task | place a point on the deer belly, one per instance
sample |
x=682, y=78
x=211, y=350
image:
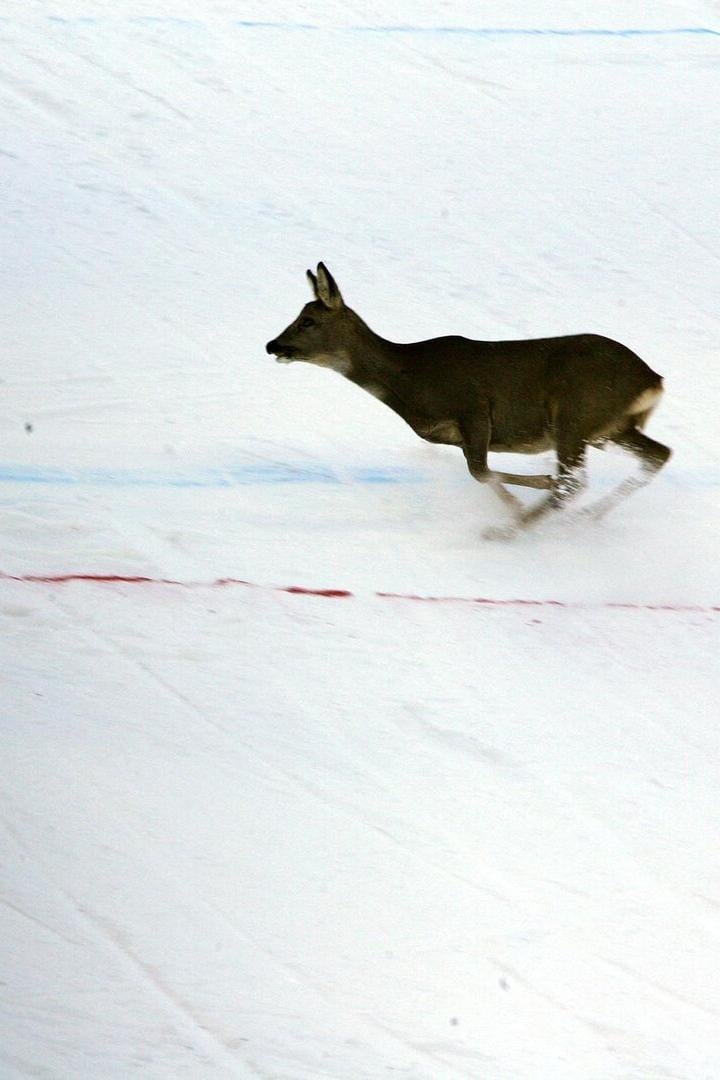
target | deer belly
x=440, y=431
x=523, y=444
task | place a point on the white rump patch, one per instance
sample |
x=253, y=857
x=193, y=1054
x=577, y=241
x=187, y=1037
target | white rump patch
x=646, y=401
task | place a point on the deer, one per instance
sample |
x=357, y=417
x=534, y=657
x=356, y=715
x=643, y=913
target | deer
x=520, y=396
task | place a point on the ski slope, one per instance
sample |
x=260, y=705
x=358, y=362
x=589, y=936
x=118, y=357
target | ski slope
x=302, y=777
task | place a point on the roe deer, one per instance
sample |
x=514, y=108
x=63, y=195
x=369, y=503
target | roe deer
x=564, y=393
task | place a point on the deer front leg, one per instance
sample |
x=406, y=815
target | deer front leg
x=563, y=486
x=476, y=440
x=567, y=484
x=534, y=480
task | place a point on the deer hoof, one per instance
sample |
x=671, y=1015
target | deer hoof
x=500, y=532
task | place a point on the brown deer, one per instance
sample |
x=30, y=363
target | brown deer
x=561, y=393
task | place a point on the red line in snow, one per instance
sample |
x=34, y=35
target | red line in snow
x=486, y=600
x=335, y=594
x=301, y=591
x=63, y=579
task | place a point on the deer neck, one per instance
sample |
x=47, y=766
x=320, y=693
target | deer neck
x=372, y=359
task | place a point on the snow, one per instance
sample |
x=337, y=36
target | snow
x=258, y=833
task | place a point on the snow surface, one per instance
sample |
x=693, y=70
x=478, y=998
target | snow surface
x=252, y=833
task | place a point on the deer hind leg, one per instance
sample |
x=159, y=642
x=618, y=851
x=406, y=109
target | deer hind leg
x=567, y=483
x=652, y=456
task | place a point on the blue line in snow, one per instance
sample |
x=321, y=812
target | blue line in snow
x=408, y=28
x=493, y=31
x=513, y=31
x=249, y=24
x=226, y=477
x=270, y=473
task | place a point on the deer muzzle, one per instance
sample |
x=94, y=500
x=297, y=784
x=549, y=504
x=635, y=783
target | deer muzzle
x=283, y=353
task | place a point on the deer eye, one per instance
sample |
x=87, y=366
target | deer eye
x=307, y=323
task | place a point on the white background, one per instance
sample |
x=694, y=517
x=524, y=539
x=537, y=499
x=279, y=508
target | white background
x=257, y=834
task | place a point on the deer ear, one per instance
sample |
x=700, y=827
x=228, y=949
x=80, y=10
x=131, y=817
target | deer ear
x=326, y=288
x=313, y=283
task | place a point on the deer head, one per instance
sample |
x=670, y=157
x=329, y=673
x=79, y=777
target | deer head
x=323, y=332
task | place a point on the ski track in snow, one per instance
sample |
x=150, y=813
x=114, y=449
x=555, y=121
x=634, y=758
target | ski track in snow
x=302, y=779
